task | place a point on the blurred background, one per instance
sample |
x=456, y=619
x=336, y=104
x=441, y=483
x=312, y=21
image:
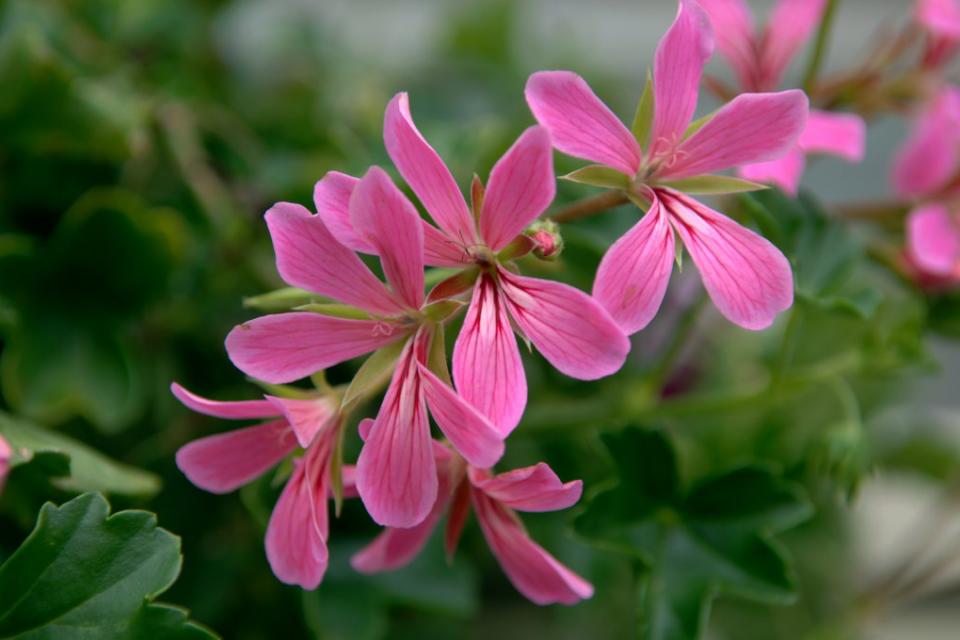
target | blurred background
x=140, y=143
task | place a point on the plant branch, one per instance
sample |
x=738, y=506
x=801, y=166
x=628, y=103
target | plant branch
x=589, y=206
x=819, y=50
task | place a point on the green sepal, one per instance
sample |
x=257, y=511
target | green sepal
x=643, y=118
x=476, y=196
x=336, y=311
x=373, y=373
x=454, y=285
x=597, y=175
x=336, y=471
x=441, y=310
x=284, y=390
x=281, y=300
x=519, y=247
x=713, y=185
x=437, y=357
x=697, y=124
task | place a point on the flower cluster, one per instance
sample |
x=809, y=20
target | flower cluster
x=407, y=476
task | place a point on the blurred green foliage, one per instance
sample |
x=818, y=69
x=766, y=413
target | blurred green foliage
x=140, y=143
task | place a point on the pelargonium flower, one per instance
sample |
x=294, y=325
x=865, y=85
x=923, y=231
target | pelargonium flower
x=759, y=58
x=748, y=279
x=940, y=19
x=6, y=454
x=927, y=169
x=396, y=477
x=495, y=500
x=296, y=540
x=574, y=333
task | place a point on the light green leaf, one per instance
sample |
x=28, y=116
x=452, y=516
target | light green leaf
x=643, y=118
x=89, y=470
x=373, y=374
x=83, y=575
x=598, y=176
x=713, y=185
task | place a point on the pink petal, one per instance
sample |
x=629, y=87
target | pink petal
x=933, y=239
x=425, y=172
x=308, y=256
x=469, y=432
x=289, y=346
x=535, y=488
x=297, y=534
x=572, y=331
x=837, y=134
x=534, y=572
x=348, y=474
x=440, y=250
x=331, y=197
x=226, y=461
x=736, y=37
x=391, y=224
x=238, y=410
x=6, y=454
x=931, y=154
x=681, y=55
x=791, y=25
x=521, y=187
x=396, y=474
x=785, y=172
x=633, y=275
x=940, y=17
x=753, y=127
x=486, y=360
x=748, y=279
x=579, y=123
x=307, y=417
x=395, y=548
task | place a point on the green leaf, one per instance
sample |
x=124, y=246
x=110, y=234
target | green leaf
x=713, y=185
x=713, y=538
x=643, y=117
x=82, y=469
x=598, y=176
x=82, y=574
x=374, y=373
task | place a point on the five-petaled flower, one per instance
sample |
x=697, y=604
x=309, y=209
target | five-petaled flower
x=759, y=59
x=296, y=540
x=495, y=500
x=574, y=333
x=396, y=477
x=940, y=19
x=749, y=279
x=927, y=169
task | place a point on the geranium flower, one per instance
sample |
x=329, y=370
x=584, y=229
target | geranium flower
x=296, y=540
x=940, y=19
x=748, y=279
x=759, y=58
x=574, y=333
x=395, y=475
x=495, y=500
x=927, y=169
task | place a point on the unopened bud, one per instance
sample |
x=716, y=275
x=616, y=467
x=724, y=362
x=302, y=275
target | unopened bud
x=547, y=241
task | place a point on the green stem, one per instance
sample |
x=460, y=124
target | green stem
x=819, y=50
x=681, y=335
x=589, y=206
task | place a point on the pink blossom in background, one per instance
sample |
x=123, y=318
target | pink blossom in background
x=296, y=540
x=495, y=499
x=940, y=19
x=574, y=333
x=927, y=169
x=760, y=58
x=396, y=477
x=748, y=279
x=6, y=454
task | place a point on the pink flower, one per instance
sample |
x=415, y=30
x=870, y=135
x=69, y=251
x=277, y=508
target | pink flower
x=6, y=454
x=940, y=19
x=760, y=58
x=296, y=540
x=572, y=331
x=749, y=280
x=495, y=499
x=926, y=169
x=396, y=477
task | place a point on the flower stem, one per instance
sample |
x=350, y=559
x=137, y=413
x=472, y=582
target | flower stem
x=820, y=48
x=589, y=206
